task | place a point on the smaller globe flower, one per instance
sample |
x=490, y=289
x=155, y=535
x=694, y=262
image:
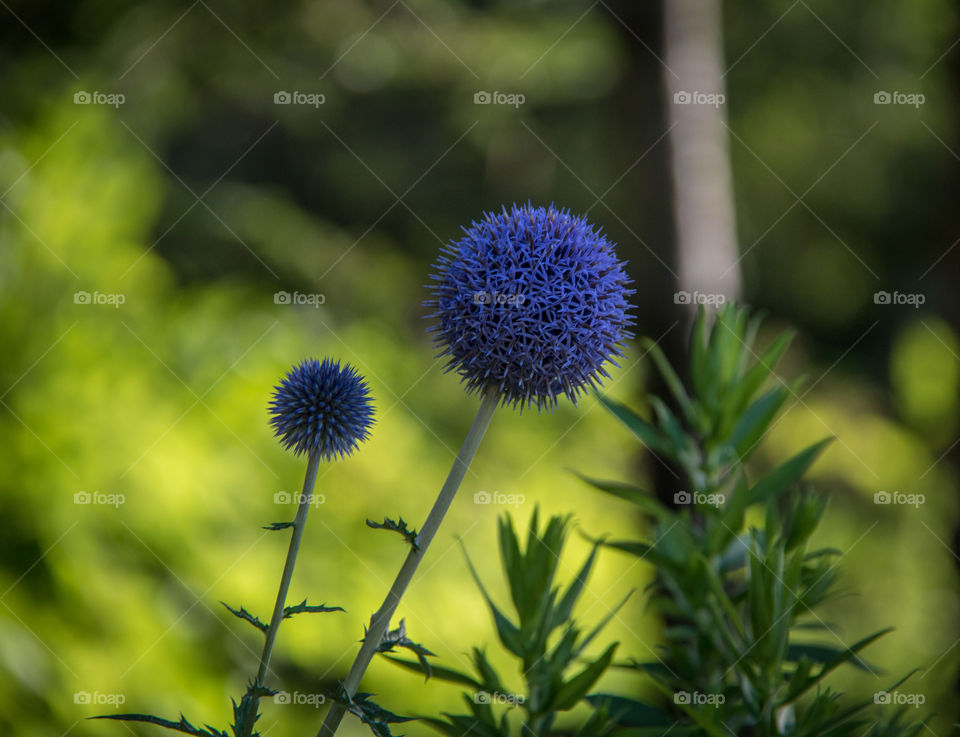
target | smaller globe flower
x=322, y=408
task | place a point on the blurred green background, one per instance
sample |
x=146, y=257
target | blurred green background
x=198, y=199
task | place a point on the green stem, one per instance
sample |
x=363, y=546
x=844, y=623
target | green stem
x=271, y=634
x=381, y=618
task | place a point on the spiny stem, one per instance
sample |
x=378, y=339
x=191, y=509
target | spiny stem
x=381, y=618
x=299, y=522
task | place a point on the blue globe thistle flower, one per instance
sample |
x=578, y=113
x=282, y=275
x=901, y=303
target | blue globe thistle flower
x=532, y=300
x=322, y=408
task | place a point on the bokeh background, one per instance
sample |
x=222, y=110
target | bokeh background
x=198, y=199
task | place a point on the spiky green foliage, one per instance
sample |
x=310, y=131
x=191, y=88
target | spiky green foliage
x=400, y=527
x=548, y=644
x=739, y=602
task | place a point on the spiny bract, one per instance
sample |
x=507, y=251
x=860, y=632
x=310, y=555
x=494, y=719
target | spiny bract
x=322, y=408
x=533, y=301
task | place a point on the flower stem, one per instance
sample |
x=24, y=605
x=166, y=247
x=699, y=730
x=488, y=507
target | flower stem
x=380, y=621
x=299, y=522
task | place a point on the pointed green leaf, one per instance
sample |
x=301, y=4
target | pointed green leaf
x=408, y=534
x=247, y=617
x=571, y=692
x=509, y=632
x=824, y=654
x=781, y=477
x=303, y=608
x=278, y=525
x=646, y=433
x=671, y=379
x=755, y=421
x=435, y=671
x=564, y=609
x=627, y=712
x=182, y=726
x=699, y=369
x=758, y=373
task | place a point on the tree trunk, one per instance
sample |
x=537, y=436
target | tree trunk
x=705, y=224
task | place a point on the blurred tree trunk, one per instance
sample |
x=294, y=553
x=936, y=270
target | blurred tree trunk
x=704, y=220
x=704, y=224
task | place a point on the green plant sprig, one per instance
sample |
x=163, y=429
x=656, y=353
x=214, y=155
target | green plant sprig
x=738, y=602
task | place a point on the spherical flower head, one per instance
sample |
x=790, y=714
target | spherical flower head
x=322, y=408
x=533, y=301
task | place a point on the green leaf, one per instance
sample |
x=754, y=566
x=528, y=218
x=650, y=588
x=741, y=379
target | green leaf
x=564, y=609
x=646, y=433
x=601, y=624
x=182, y=726
x=304, y=608
x=512, y=560
x=671, y=379
x=448, y=728
x=463, y=725
x=823, y=654
x=571, y=692
x=398, y=638
x=749, y=338
x=842, y=657
x=647, y=503
x=701, y=716
x=781, y=477
x=400, y=527
x=805, y=515
x=541, y=559
x=723, y=353
x=373, y=715
x=278, y=525
x=247, y=617
x=435, y=671
x=698, y=354
x=627, y=712
x=639, y=549
x=760, y=371
x=509, y=632
x=489, y=677
x=754, y=422
x=671, y=427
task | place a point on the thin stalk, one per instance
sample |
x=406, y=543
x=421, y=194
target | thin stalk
x=381, y=618
x=299, y=522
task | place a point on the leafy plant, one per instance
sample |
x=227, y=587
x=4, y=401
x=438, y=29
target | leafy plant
x=548, y=645
x=324, y=410
x=739, y=602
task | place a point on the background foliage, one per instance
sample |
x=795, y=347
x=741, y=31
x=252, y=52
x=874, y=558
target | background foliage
x=198, y=199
